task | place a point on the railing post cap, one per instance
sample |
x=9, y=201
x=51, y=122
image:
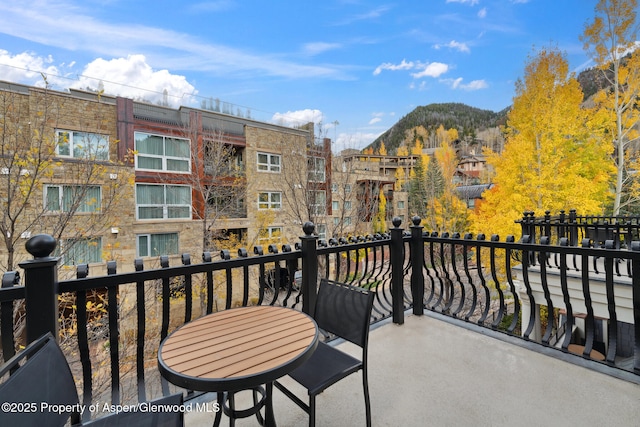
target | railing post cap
x=308, y=228
x=41, y=245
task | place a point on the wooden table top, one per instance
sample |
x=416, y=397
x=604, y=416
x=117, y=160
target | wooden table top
x=237, y=349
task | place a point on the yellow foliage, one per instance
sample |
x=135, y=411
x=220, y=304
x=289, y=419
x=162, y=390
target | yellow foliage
x=555, y=156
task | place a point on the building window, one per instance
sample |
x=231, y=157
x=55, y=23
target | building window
x=162, y=153
x=270, y=234
x=82, y=145
x=80, y=251
x=334, y=187
x=347, y=205
x=270, y=200
x=401, y=204
x=163, y=201
x=68, y=198
x=336, y=221
x=347, y=220
x=157, y=244
x=321, y=229
x=269, y=162
x=335, y=205
x=316, y=169
x=347, y=188
x=318, y=202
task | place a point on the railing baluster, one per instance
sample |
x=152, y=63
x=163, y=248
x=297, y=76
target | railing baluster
x=9, y=280
x=483, y=282
x=589, y=320
x=512, y=287
x=114, y=335
x=533, y=315
x=494, y=276
x=564, y=285
x=82, y=271
x=206, y=258
x=141, y=331
x=188, y=290
x=612, y=346
x=542, y=258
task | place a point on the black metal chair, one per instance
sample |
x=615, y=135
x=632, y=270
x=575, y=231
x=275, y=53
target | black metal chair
x=40, y=375
x=43, y=378
x=345, y=311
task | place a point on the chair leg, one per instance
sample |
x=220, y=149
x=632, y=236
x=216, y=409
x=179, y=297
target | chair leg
x=312, y=411
x=367, y=402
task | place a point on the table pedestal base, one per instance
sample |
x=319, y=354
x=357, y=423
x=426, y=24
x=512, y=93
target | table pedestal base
x=261, y=398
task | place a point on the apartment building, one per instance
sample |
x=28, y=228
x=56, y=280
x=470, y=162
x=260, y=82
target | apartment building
x=165, y=181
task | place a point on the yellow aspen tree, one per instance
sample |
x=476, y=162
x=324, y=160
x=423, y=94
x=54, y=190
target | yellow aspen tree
x=611, y=40
x=380, y=220
x=554, y=157
x=383, y=149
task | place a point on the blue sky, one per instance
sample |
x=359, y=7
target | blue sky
x=355, y=66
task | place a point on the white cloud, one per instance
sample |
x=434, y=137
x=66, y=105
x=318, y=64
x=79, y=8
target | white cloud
x=26, y=68
x=298, y=118
x=319, y=47
x=471, y=86
x=462, y=47
x=470, y=2
x=375, y=120
x=482, y=13
x=434, y=69
x=404, y=65
x=132, y=77
x=168, y=48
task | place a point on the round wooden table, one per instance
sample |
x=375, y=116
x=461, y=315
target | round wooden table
x=238, y=349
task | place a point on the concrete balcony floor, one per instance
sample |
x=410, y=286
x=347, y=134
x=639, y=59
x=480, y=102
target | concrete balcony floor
x=430, y=372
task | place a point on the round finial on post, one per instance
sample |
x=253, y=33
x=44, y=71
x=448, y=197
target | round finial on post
x=41, y=245
x=416, y=220
x=396, y=221
x=308, y=228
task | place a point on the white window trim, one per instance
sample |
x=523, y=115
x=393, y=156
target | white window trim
x=269, y=203
x=61, y=188
x=148, y=235
x=270, y=232
x=316, y=172
x=163, y=157
x=268, y=167
x=72, y=144
x=165, y=206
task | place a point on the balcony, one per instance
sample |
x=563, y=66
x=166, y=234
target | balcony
x=430, y=371
x=458, y=330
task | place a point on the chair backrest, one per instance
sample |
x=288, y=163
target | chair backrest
x=43, y=379
x=344, y=310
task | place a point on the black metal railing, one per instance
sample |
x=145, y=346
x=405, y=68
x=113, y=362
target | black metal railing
x=113, y=324
x=621, y=229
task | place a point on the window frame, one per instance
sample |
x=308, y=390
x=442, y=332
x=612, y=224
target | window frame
x=268, y=166
x=97, y=151
x=165, y=206
x=65, y=249
x=270, y=230
x=317, y=174
x=149, y=245
x=270, y=204
x=318, y=208
x=164, y=158
x=61, y=199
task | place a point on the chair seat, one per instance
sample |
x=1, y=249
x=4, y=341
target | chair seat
x=326, y=366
